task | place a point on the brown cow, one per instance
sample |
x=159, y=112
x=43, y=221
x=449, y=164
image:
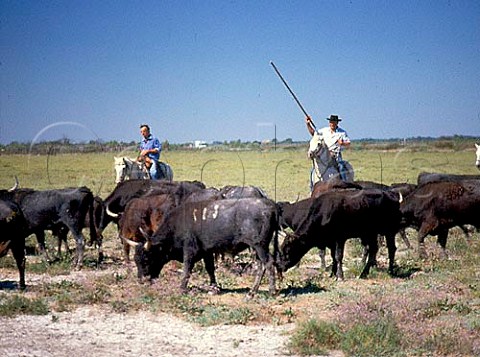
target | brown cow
x=435, y=207
x=148, y=212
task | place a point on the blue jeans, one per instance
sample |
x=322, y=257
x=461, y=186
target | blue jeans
x=155, y=173
x=343, y=170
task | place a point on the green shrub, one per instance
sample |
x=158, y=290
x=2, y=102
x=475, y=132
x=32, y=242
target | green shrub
x=11, y=306
x=315, y=337
x=378, y=338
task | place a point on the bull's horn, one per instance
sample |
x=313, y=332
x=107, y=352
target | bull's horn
x=400, y=200
x=130, y=242
x=148, y=245
x=14, y=186
x=110, y=213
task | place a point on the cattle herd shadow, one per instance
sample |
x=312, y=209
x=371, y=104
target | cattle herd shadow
x=404, y=272
x=309, y=288
x=8, y=285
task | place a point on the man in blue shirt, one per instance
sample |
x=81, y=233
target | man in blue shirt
x=150, y=148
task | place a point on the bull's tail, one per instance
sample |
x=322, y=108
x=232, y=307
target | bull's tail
x=276, y=250
x=93, y=230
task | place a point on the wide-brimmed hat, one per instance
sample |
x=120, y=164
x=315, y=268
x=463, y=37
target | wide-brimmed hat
x=334, y=118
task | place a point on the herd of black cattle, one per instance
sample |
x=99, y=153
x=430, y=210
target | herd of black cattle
x=188, y=222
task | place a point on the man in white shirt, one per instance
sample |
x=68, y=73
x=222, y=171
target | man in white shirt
x=334, y=137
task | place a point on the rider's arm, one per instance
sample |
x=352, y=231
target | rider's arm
x=310, y=128
x=344, y=140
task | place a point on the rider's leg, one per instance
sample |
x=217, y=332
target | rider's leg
x=343, y=170
x=154, y=171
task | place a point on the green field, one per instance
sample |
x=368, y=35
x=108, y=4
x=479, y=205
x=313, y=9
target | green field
x=282, y=174
x=430, y=308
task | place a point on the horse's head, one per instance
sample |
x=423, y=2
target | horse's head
x=477, y=163
x=120, y=169
x=127, y=169
x=316, y=144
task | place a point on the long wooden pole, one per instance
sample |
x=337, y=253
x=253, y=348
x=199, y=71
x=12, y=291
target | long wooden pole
x=293, y=94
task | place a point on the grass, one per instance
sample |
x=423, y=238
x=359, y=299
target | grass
x=17, y=304
x=432, y=306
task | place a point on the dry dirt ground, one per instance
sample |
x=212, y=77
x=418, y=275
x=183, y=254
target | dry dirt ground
x=90, y=331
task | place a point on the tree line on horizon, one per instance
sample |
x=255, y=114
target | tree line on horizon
x=65, y=145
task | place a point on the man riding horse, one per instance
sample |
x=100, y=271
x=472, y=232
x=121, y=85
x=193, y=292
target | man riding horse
x=335, y=139
x=150, y=149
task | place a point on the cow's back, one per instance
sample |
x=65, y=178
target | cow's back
x=217, y=221
x=352, y=211
x=456, y=202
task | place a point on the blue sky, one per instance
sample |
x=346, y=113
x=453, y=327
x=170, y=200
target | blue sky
x=200, y=70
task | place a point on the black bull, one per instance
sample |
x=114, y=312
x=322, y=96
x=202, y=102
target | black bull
x=54, y=209
x=333, y=217
x=195, y=231
x=12, y=235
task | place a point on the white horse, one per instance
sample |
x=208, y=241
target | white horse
x=477, y=163
x=130, y=169
x=325, y=164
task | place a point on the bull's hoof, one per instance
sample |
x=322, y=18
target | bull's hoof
x=214, y=290
x=422, y=252
x=249, y=296
x=274, y=292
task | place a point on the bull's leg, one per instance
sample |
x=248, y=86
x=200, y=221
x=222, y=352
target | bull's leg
x=442, y=240
x=422, y=253
x=18, y=250
x=372, y=249
x=61, y=234
x=391, y=247
x=365, y=253
x=465, y=231
x=339, y=249
x=265, y=263
x=41, y=245
x=272, y=289
x=79, y=251
x=126, y=253
x=100, y=251
x=187, y=271
x=404, y=237
x=209, y=262
x=334, y=261
x=321, y=254
x=258, y=279
x=429, y=225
